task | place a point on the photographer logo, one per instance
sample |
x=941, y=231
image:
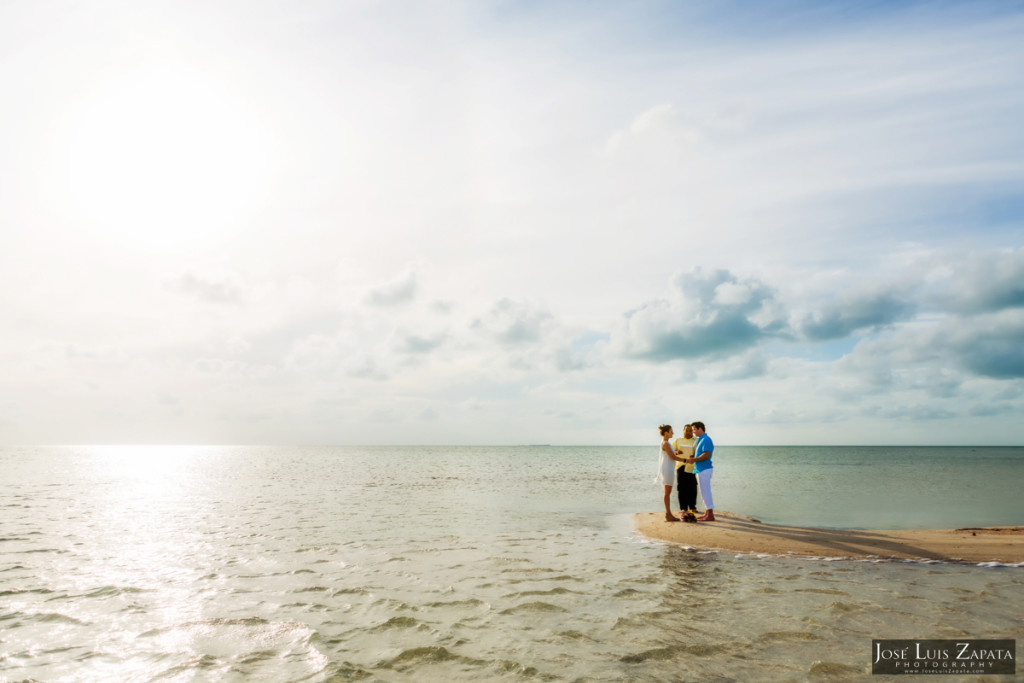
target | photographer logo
x=961, y=656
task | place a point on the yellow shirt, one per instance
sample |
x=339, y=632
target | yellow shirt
x=684, y=449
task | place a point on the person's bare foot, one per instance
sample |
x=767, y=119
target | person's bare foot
x=708, y=516
x=671, y=518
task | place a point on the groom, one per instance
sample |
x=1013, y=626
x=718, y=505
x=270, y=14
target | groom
x=702, y=453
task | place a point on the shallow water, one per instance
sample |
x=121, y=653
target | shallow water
x=323, y=564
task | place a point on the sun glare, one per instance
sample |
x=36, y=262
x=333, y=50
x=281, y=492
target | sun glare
x=149, y=464
x=163, y=156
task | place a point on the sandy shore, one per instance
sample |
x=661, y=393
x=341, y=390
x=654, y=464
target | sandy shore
x=743, y=534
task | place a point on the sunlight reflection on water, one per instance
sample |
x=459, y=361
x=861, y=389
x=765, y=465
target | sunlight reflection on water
x=212, y=563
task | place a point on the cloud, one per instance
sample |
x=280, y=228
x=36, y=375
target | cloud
x=914, y=412
x=980, y=282
x=513, y=323
x=212, y=287
x=394, y=293
x=710, y=314
x=993, y=410
x=569, y=360
x=751, y=365
x=651, y=131
x=992, y=348
x=852, y=313
x=937, y=358
x=366, y=368
x=442, y=307
x=316, y=350
x=416, y=344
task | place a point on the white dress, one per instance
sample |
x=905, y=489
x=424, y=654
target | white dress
x=666, y=468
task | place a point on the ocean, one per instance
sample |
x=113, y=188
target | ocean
x=430, y=563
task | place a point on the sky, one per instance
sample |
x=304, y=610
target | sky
x=511, y=222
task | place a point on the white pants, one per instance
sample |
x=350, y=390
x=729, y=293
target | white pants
x=704, y=482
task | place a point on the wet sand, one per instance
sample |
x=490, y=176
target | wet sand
x=738, y=533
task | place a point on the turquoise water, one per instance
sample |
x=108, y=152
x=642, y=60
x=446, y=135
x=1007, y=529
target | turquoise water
x=487, y=563
x=873, y=487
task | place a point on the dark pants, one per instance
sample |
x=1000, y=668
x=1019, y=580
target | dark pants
x=686, y=482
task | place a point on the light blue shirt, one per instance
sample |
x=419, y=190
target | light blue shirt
x=704, y=444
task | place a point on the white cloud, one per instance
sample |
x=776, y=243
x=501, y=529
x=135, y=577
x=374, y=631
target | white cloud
x=399, y=291
x=414, y=343
x=979, y=282
x=513, y=323
x=213, y=287
x=710, y=314
x=859, y=311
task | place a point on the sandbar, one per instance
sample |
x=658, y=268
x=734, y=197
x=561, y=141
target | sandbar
x=734, y=532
